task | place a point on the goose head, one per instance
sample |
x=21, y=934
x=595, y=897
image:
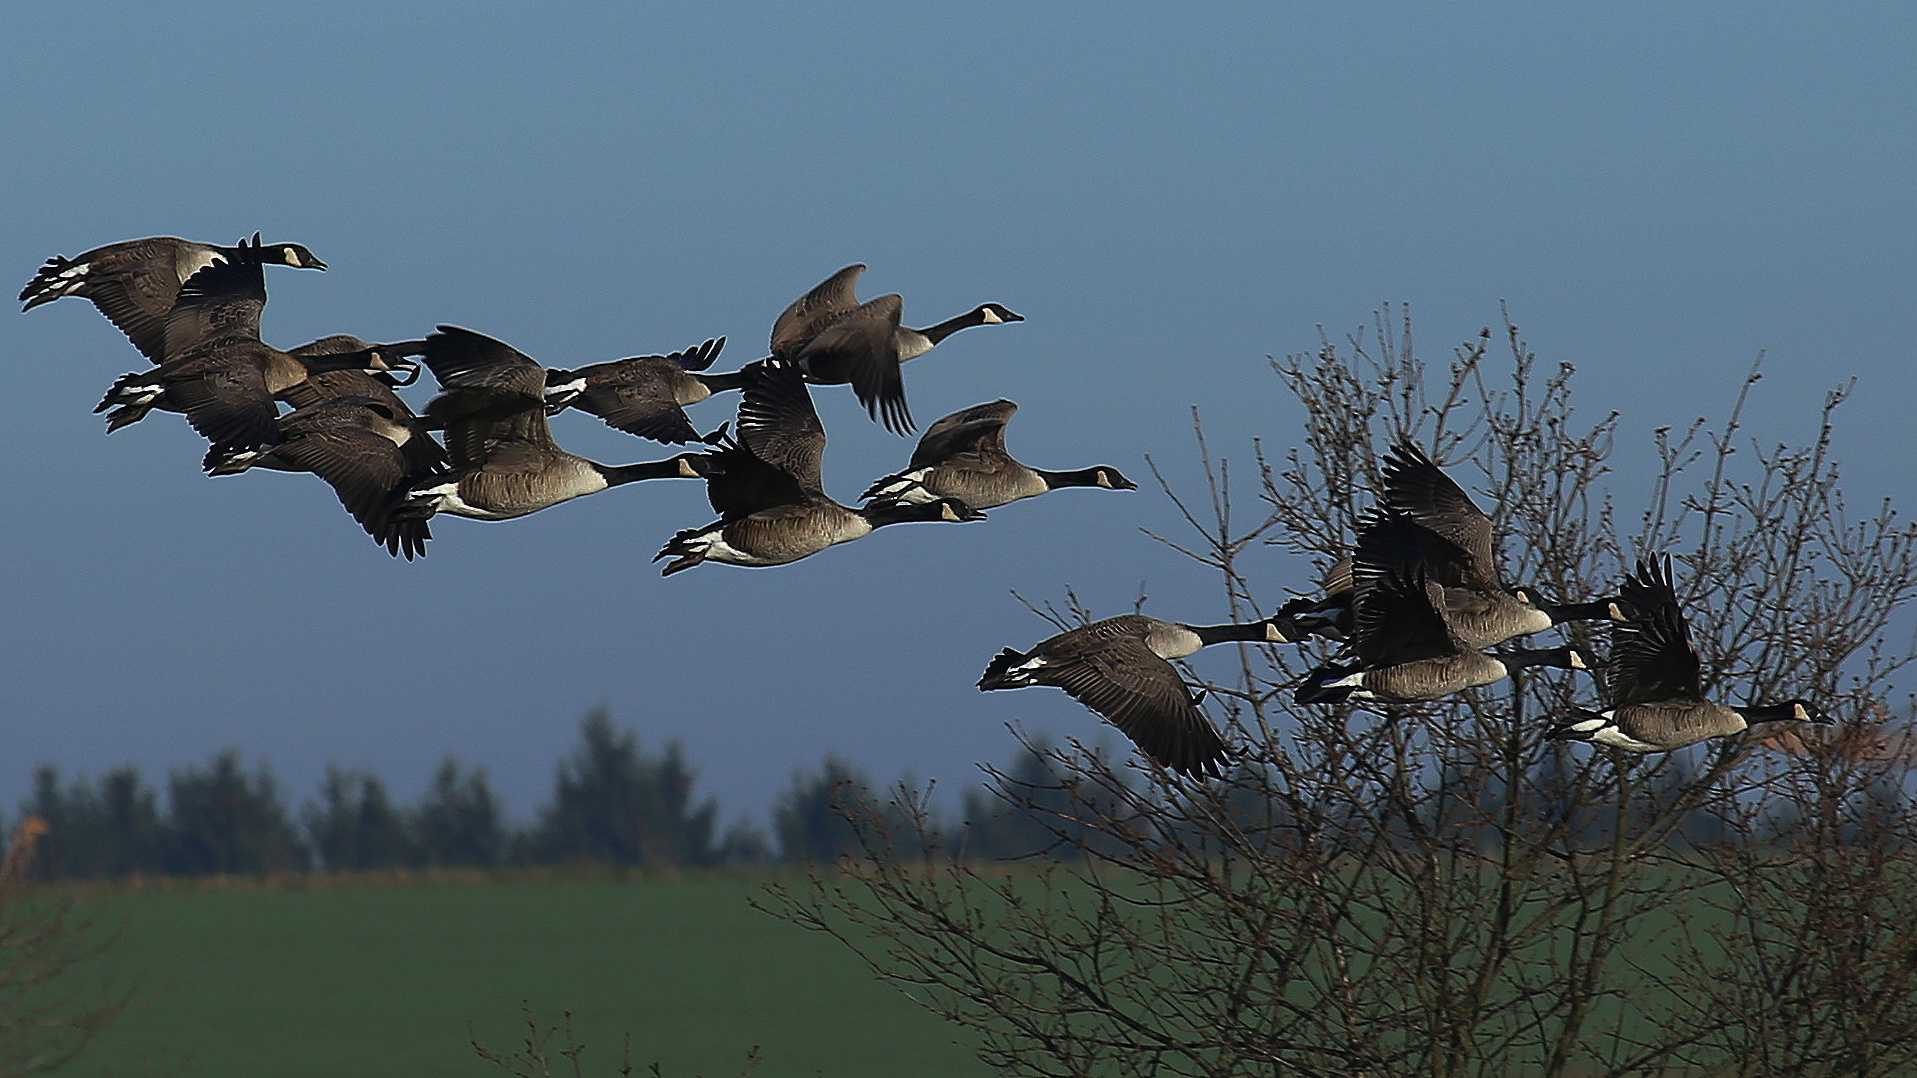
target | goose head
x=995, y=313
x=290, y=254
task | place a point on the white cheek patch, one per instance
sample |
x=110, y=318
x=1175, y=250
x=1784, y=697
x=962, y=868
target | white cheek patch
x=991, y=317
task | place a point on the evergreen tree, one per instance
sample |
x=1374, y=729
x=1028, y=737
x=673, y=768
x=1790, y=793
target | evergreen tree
x=107, y=832
x=810, y=816
x=223, y=820
x=458, y=820
x=615, y=804
x=354, y=826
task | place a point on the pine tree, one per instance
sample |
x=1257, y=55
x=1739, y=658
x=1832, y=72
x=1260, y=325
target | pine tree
x=615, y=804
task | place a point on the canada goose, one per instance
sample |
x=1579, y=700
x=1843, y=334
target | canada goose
x=373, y=373
x=768, y=491
x=1456, y=541
x=218, y=371
x=645, y=395
x=1655, y=686
x=368, y=454
x=963, y=456
x=135, y=282
x=1406, y=646
x=835, y=339
x=504, y=461
x=1118, y=668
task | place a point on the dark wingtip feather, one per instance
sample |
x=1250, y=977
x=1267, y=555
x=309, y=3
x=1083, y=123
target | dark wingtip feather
x=995, y=673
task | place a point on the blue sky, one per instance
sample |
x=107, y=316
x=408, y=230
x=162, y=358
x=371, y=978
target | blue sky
x=1170, y=196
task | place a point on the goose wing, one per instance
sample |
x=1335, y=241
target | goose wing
x=221, y=302
x=862, y=348
x=778, y=423
x=637, y=411
x=226, y=399
x=1398, y=612
x=696, y=358
x=462, y=359
x=133, y=283
x=1651, y=655
x=491, y=392
x=1415, y=487
x=1119, y=678
x=334, y=440
x=741, y=484
x=978, y=431
x=811, y=313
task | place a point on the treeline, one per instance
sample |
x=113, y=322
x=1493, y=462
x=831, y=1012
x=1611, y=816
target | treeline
x=613, y=803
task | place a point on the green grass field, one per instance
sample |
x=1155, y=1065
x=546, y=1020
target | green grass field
x=375, y=981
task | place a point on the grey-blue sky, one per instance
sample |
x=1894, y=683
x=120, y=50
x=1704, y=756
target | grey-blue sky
x=1169, y=195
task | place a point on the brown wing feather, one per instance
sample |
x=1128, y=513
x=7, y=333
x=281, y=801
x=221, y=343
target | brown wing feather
x=976, y=431
x=1144, y=697
x=813, y=312
x=1416, y=487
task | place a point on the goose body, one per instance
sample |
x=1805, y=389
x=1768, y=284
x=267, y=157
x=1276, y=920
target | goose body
x=1120, y=669
x=134, y=283
x=963, y=456
x=1656, y=684
x=768, y=488
x=836, y=340
x=645, y=395
x=1406, y=646
x=504, y=462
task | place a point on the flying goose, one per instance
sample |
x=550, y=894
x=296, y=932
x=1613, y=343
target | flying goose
x=1118, y=668
x=1654, y=684
x=768, y=490
x=218, y=371
x=1456, y=541
x=372, y=372
x=369, y=454
x=135, y=282
x=835, y=340
x=1406, y=646
x=645, y=395
x=963, y=456
x=504, y=461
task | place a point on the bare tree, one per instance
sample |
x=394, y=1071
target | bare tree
x=1437, y=889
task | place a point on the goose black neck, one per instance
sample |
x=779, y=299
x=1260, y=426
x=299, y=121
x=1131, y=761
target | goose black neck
x=719, y=383
x=1218, y=634
x=1565, y=658
x=346, y=361
x=678, y=467
x=1083, y=477
x=1595, y=610
x=1756, y=713
x=880, y=514
x=945, y=329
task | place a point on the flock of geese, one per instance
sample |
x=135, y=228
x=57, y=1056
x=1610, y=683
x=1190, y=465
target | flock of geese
x=1417, y=604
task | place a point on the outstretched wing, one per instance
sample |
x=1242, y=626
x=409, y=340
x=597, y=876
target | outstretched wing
x=1651, y=655
x=978, y=430
x=811, y=313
